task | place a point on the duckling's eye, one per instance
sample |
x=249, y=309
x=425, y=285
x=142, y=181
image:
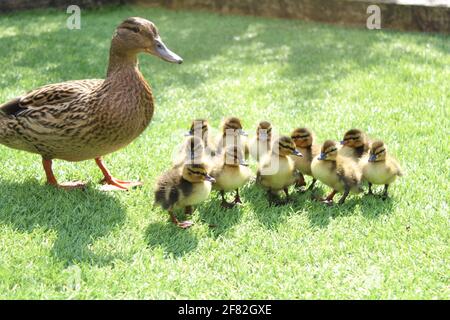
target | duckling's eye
x=159, y=45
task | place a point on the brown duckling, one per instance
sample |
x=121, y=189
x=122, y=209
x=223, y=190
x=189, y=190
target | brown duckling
x=304, y=142
x=87, y=119
x=231, y=172
x=232, y=134
x=336, y=171
x=355, y=144
x=276, y=170
x=262, y=142
x=182, y=189
x=201, y=128
x=380, y=167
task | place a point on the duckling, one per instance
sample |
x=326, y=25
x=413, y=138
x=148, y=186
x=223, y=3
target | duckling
x=201, y=128
x=355, y=144
x=191, y=151
x=304, y=142
x=232, y=134
x=261, y=143
x=380, y=167
x=183, y=189
x=231, y=172
x=336, y=171
x=277, y=169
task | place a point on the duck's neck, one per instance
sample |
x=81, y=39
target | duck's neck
x=119, y=60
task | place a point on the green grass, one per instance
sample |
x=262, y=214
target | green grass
x=90, y=244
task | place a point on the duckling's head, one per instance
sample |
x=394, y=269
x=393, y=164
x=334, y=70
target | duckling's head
x=285, y=146
x=196, y=173
x=329, y=151
x=302, y=137
x=377, y=151
x=233, y=126
x=199, y=126
x=135, y=35
x=234, y=156
x=193, y=148
x=264, y=131
x=354, y=138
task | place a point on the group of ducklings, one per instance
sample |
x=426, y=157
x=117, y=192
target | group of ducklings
x=206, y=164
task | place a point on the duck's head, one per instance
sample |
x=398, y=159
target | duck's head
x=193, y=149
x=264, y=131
x=135, y=35
x=303, y=137
x=232, y=126
x=285, y=146
x=199, y=127
x=234, y=157
x=377, y=151
x=196, y=173
x=329, y=151
x=354, y=138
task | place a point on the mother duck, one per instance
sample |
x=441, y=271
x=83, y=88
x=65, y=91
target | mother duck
x=87, y=119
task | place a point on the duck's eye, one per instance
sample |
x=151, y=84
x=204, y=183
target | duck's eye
x=159, y=46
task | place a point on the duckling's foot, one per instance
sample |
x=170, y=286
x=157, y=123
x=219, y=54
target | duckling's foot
x=227, y=205
x=237, y=198
x=185, y=224
x=327, y=202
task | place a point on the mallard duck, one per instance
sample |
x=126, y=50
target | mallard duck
x=182, y=189
x=355, y=144
x=201, y=128
x=261, y=143
x=336, y=171
x=276, y=170
x=87, y=119
x=304, y=142
x=231, y=172
x=232, y=134
x=380, y=167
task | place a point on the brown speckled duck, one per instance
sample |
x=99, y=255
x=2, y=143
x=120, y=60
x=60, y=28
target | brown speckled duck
x=87, y=119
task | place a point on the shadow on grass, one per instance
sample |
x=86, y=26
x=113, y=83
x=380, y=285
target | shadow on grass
x=220, y=220
x=78, y=217
x=173, y=240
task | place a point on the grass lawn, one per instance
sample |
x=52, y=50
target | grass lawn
x=91, y=244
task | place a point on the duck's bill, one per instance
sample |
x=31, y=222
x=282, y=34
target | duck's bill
x=372, y=158
x=243, y=163
x=243, y=133
x=297, y=153
x=322, y=156
x=209, y=178
x=164, y=53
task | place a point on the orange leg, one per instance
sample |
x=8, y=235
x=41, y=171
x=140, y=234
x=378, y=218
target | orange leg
x=112, y=183
x=51, y=180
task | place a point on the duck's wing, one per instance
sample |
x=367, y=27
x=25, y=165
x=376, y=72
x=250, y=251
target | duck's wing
x=50, y=95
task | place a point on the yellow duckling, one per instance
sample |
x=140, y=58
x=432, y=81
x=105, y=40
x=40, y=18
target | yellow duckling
x=182, y=189
x=232, y=135
x=304, y=142
x=191, y=151
x=380, y=168
x=231, y=172
x=336, y=171
x=277, y=169
x=201, y=128
x=262, y=142
x=355, y=144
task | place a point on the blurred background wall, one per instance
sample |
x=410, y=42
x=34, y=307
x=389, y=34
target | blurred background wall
x=408, y=15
